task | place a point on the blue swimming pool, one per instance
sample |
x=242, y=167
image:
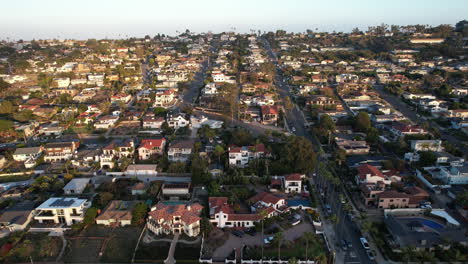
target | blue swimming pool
x=428, y=223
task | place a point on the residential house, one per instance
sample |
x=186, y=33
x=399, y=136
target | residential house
x=223, y=215
x=106, y=122
x=76, y=186
x=23, y=154
x=270, y=114
x=150, y=147
x=17, y=217
x=141, y=170
x=175, y=191
x=175, y=218
x=370, y=174
x=151, y=122
x=139, y=188
x=177, y=120
x=400, y=130
x=180, y=151
x=269, y=203
x=117, y=213
x=60, y=151
x=293, y=183
x=352, y=147
x=241, y=156
x=165, y=98
x=62, y=210
x=426, y=145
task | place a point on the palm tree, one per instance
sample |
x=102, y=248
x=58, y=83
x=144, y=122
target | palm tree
x=321, y=258
x=263, y=215
x=407, y=252
x=308, y=236
x=278, y=238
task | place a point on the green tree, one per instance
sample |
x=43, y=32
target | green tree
x=7, y=107
x=139, y=213
x=299, y=155
x=462, y=199
x=105, y=198
x=24, y=116
x=218, y=151
x=362, y=122
x=4, y=85
x=5, y=125
x=176, y=167
x=90, y=216
x=198, y=167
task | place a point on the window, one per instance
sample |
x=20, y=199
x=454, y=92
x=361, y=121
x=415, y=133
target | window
x=391, y=200
x=225, y=216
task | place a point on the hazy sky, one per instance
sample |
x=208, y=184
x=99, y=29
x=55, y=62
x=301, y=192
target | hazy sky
x=28, y=19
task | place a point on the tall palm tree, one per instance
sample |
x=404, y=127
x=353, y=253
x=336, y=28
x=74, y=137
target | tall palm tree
x=308, y=237
x=278, y=238
x=407, y=252
x=321, y=258
x=263, y=215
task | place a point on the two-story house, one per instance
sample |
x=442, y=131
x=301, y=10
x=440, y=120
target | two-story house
x=60, y=151
x=150, y=147
x=175, y=218
x=241, y=156
x=62, y=210
x=180, y=151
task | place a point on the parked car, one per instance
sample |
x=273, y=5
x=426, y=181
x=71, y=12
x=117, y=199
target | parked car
x=348, y=243
x=425, y=206
x=344, y=246
x=364, y=243
x=370, y=254
x=328, y=208
x=293, y=129
x=267, y=240
x=251, y=231
x=295, y=219
x=237, y=233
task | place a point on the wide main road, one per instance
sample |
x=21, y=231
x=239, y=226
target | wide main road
x=346, y=228
x=294, y=116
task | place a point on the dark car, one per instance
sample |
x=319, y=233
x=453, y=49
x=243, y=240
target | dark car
x=237, y=233
x=251, y=231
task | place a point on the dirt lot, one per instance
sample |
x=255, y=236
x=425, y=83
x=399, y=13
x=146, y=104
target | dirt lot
x=117, y=244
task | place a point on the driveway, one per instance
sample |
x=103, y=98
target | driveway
x=237, y=242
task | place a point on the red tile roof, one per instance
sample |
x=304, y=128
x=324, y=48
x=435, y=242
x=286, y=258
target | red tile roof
x=152, y=143
x=293, y=177
x=365, y=169
x=269, y=110
x=189, y=214
x=220, y=204
x=265, y=197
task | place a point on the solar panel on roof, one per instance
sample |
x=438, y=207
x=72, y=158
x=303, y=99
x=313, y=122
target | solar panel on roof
x=62, y=203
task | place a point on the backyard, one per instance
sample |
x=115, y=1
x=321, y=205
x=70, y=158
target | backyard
x=116, y=244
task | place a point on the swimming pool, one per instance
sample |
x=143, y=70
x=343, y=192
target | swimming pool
x=428, y=223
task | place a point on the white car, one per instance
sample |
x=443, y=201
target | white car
x=267, y=240
x=293, y=129
x=364, y=243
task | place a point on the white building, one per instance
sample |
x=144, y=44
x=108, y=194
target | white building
x=454, y=174
x=76, y=186
x=426, y=145
x=241, y=156
x=62, y=210
x=171, y=219
x=23, y=154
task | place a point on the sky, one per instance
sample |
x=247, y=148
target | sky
x=39, y=19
